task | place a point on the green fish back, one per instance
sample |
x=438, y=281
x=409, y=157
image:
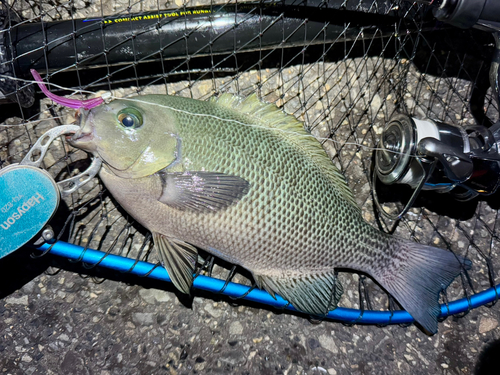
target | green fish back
x=292, y=130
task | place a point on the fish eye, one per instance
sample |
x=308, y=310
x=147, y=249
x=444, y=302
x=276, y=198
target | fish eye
x=130, y=118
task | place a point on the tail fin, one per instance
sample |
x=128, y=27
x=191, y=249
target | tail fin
x=416, y=276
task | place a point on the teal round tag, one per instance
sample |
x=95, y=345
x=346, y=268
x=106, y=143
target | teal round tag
x=28, y=199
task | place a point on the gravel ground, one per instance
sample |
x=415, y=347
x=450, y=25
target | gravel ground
x=67, y=324
x=81, y=321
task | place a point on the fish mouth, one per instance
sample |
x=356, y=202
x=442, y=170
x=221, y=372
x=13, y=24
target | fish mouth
x=83, y=138
x=80, y=137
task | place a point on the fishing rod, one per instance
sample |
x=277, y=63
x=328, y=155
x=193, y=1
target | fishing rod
x=119, y=42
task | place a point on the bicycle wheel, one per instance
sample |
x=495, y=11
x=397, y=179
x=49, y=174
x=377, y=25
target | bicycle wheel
x=344, y=68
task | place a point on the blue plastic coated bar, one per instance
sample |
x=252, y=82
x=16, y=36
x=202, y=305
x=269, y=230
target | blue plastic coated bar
x=235, y=290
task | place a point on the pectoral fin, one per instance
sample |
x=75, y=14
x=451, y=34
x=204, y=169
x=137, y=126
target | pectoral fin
x=179, y=259
x=202, y=191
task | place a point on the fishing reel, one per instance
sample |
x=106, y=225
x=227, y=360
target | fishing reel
x=431, y=155
x=481, y=14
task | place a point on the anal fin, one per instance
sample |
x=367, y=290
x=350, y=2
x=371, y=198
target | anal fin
x=179, y=259
x=314, y=293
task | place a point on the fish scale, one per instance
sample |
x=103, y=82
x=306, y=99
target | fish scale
x=315, y=211
x=245, y=182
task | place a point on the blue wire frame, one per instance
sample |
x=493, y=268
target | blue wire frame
x=235, y=290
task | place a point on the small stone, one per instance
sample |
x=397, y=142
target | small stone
x=376, y=103
x=147, y=295
x=212, y=311
x=70, y=298
x=61, y=294
x=257, y=340
x=313, y=343
x=235, y=328
x=17, y=301
x=26, y=358
x=444, y=365
x=319, y=370
x=143, y=318
x=69, y=119
x=152, y=296
x=233, y=358
x=328, y=343
x=49, y=159
x=199, y=366
x=79, y=4
x=29, y=287
x=64, y=337
x=332, y=371
x=487, y=324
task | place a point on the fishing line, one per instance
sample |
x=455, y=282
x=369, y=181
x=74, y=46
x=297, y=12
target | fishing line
x=264, y=127
x=111, y=96
x=28, y=81
x=32, y=122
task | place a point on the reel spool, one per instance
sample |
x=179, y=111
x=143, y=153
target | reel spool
x=431, y=155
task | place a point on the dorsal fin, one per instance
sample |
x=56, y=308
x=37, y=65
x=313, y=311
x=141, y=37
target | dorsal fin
x=269, y=115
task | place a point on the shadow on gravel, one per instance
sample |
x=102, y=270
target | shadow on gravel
x=19, y=268
x=487, y=363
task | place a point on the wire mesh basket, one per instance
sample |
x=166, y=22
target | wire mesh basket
x=344, y=68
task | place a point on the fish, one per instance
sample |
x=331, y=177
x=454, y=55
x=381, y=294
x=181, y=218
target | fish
x=245, y=182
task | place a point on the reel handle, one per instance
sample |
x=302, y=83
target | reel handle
x=428, y=169
x=458, y=167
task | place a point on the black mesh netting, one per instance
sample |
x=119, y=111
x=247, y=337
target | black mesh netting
x=343, y=67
